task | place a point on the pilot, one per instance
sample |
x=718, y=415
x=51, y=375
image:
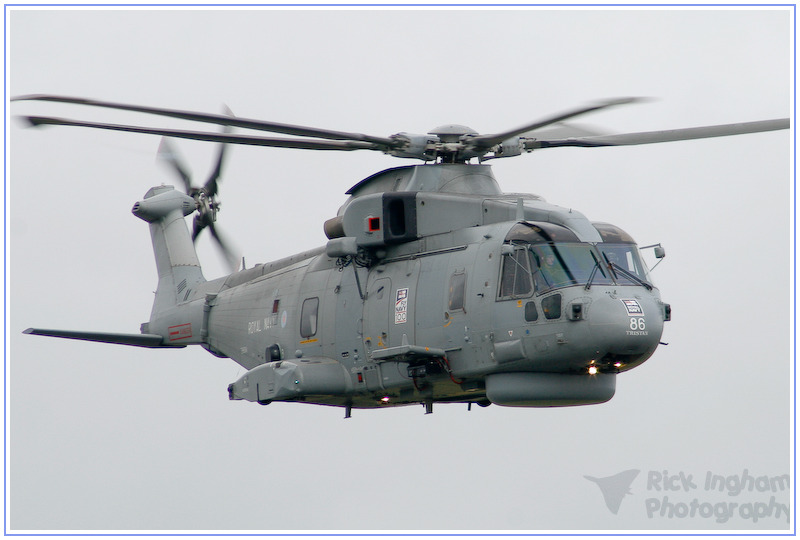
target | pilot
x=553, y=273
x=613, y=261
x=612, y=257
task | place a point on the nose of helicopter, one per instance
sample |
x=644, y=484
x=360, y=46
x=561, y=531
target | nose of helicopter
x=626, y=330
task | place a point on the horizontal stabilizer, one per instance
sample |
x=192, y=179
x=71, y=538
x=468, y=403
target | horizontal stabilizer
x=152, y=341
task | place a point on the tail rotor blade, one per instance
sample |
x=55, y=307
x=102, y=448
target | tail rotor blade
x=197, y=227
x=167, y=153
x=211, y=186
x=230, y=256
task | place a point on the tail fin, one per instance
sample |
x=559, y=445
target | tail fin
x=179, y=271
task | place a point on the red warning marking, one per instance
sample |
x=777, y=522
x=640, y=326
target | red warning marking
x=181, y=331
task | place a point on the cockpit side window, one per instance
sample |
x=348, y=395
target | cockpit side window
x=515, y=277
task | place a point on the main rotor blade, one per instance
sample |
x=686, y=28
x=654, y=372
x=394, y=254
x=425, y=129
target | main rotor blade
x=487, y=141
x=650, y=137
x=303, y=144
x=274, y=127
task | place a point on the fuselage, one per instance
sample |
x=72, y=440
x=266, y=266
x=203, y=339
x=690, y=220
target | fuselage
x=492, y=305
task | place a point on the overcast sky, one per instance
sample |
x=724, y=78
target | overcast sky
x=103, y=437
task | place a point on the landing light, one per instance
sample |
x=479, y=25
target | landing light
x=617, y=364
x=592, y=370
x=385, y=399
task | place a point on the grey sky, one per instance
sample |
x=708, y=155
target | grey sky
x=101, y=437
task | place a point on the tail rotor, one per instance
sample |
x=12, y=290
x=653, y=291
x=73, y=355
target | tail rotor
x=205, y=197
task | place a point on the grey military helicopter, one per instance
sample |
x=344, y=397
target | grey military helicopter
x=434, y=286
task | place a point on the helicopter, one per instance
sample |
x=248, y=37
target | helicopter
x=435, y=286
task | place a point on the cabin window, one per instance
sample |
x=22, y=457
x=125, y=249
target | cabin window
x=276, y=304
x=458, y=286
x=308, y=317
x=551, y=306
x=531, y=314
x=515, y=279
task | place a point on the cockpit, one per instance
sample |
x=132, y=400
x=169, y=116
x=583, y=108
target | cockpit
x=539, y=257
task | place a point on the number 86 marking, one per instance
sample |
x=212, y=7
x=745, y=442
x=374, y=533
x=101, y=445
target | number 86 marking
x=637, y=324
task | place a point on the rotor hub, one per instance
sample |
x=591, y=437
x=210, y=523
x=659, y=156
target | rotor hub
x=452, y=132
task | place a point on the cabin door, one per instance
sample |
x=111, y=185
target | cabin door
x=389, y=307
x=376, y=313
